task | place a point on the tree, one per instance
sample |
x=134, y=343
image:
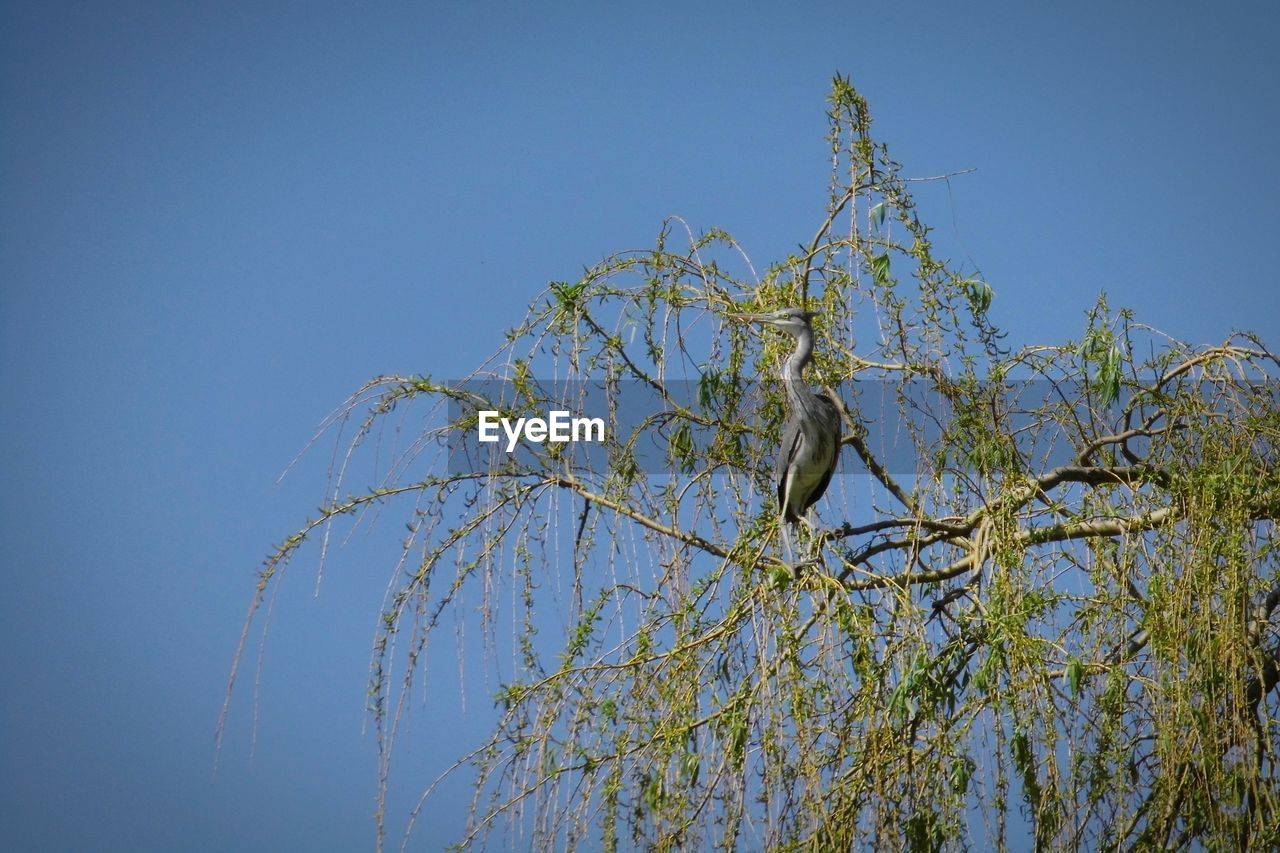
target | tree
x=1051, y=616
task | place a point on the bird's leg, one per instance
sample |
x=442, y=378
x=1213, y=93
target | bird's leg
x=815, y=542
x=788, y=554
x=788, y=547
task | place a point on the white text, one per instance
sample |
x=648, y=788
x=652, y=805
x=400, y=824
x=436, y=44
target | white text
x=556, y=427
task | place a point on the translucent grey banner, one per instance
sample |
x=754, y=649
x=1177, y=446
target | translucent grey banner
x=550, y=426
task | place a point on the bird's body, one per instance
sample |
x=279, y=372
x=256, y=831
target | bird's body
x=806, y=461
x=811, y=436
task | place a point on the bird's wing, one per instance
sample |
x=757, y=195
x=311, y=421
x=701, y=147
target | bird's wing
x=832, y=416
x=782, y=468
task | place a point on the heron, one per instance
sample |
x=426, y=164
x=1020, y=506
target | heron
x=811, y=435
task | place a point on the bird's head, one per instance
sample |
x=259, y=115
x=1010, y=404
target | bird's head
x=790, y=320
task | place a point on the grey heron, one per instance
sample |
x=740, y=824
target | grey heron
x=811, y=434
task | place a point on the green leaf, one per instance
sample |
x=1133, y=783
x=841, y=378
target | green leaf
x=1109, y=376
x=980, y=294
x=738, y=736
x=1101, y=350
x=568, y=294
x=1075, y=670
x=961, y=771
x=877, y=215
x=780, y=577
x=682, y=449
x=708, y=388
x=690, y=766
x=880, y=269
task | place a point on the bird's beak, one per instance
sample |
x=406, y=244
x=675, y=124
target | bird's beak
x=751, y=318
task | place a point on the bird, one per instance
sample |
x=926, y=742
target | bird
x=811, y=435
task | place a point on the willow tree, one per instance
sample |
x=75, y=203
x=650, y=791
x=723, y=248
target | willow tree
x=1042, y=602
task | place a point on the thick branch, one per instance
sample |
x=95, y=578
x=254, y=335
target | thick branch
x=1036, y=536
x=1015, y=498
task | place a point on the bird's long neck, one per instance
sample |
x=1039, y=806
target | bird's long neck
x=799, y=395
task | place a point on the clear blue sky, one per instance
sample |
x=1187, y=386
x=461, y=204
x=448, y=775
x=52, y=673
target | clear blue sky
x=218, y=219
